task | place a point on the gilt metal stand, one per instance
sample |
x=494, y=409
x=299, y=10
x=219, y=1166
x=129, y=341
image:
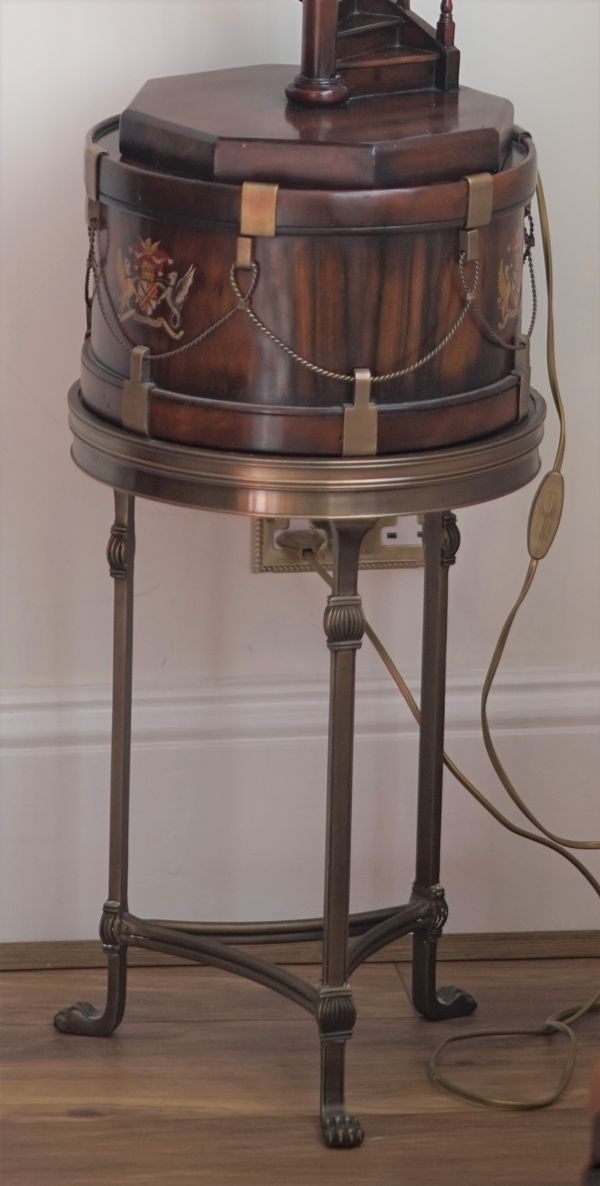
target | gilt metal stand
x=350, y=495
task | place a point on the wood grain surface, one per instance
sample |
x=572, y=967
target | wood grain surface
x=348, y=295
x=236, y=125
x=214, y=1081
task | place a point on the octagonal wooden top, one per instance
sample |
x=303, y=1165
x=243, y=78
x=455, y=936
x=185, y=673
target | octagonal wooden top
x=235, y=126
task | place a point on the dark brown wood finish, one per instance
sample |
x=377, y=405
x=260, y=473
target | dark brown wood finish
x=310, y=209
x=234, y=126
x=319, y=81
x=351, y=301
x=238, y=389
x=215, y=424
x=362, y=47
x=446, y=27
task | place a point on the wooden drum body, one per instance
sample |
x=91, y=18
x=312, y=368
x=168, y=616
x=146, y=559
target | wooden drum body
x=360, y=270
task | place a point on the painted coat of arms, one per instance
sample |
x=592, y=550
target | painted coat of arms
x=151, y=291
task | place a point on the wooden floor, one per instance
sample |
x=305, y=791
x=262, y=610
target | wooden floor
x=212, y=1081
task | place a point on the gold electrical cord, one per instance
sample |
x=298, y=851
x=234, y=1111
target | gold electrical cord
x=550, y=333
x=560, y=1022
x=563, y=1021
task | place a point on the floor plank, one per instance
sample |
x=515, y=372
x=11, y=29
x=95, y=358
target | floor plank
x=212, y=1081
x=120, y=1149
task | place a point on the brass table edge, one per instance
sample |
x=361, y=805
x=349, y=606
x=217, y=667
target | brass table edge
x=333, y=487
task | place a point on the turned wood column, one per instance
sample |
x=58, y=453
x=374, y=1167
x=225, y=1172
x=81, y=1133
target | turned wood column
x=318, y=81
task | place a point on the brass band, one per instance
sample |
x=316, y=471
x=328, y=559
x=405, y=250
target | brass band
x=333, y=488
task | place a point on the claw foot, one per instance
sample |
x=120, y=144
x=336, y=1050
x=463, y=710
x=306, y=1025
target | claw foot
x=83, y=1018
x=449, y=1003
x=342, y=1132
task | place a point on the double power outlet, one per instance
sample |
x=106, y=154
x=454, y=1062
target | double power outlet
x=391, y=543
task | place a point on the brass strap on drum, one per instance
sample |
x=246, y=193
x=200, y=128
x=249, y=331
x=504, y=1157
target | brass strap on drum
x=135, y=413
x=479, y=214
x=361, y=419
x=93, y=159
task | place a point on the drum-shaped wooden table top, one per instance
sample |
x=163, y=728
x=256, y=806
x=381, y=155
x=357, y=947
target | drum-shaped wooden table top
x=323, y=488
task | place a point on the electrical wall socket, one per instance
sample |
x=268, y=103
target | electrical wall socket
x=393, y=542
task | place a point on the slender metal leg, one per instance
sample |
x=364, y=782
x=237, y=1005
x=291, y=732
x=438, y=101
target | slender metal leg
x=82, y=1018
x=336, y=1015
x=441, y=539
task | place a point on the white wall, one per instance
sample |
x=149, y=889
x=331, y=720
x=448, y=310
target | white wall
x=209, y=629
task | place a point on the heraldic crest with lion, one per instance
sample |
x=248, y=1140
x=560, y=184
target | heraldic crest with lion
x=150, y=289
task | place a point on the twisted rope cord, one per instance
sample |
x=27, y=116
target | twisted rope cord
x=244, y=305
x=469, y=296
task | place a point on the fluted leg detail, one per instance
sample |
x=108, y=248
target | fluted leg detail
x=344, y=629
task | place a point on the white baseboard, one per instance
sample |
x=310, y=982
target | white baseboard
x=228, y=803
x=233, y=711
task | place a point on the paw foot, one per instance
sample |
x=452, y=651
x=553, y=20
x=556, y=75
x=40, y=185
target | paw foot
x=342, y=1132
x=83, y=1018
x=448, y=1004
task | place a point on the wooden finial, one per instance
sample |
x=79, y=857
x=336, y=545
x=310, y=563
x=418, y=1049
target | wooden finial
x=446, y=27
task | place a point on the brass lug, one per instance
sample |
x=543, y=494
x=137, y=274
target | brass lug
x=361, y=419
x=93, y=158
x=523, y=367
x=92, y=212
x=136, y=393
x=469, y=244
x=245, y=252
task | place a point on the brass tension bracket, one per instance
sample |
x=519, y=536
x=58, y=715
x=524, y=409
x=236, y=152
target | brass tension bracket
x=93, y=159
x=258, y=219
x=480, y=208
x=361, y=419
x=135, y=411
x=523, y=369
